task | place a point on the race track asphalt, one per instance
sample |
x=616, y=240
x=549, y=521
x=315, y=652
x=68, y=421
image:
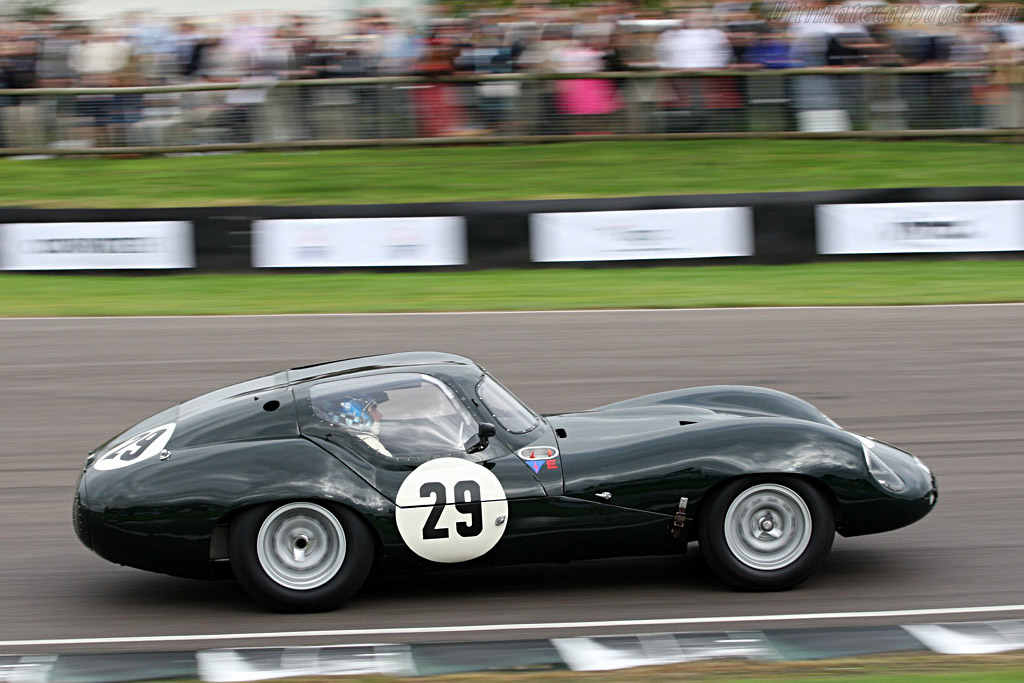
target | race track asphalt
x=947, y=383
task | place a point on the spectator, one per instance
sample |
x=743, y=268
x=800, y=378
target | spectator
x=700, y=103
x=697, y=45
x=768, y=50
x=438, y=105
x=97, y=61
x=539, y=38
x=588, y=102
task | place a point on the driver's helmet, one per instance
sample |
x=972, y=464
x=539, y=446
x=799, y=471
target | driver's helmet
x=360, y=414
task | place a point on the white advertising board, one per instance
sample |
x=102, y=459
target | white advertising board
x=643, y=234
x=359, y=242
x=97, y=245
x=920, y=227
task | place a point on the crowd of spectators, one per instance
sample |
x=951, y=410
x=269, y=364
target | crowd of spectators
x=144, y=50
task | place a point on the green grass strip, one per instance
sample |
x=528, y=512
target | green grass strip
x=962, y=677
x=723, y=671
x=855, y=283
x=595, y=169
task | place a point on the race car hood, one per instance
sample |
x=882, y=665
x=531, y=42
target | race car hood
x=736, y=400
x=631, y=425
x=646, y=454
x=661, y=415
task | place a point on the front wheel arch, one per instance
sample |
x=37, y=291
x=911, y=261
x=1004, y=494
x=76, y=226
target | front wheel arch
x=823, y=488
x=746, y=558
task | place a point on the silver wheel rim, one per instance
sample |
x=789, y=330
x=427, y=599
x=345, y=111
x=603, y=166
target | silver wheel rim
x=768, y=527
x=301, y=546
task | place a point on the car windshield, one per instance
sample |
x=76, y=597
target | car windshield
x=506, y=408
x=397, y=415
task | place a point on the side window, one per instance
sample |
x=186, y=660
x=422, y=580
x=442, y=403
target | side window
x=398, y=415
x=506, y=408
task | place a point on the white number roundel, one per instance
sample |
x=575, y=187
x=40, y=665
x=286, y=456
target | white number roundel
x=140, y=447
x=451, y=510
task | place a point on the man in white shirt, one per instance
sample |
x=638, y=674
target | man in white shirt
x=697, y=103
x=698, y=45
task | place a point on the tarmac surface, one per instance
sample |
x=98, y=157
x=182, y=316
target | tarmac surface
x=946, y=383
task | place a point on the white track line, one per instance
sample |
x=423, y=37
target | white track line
x=568, y=311
x=482, y=628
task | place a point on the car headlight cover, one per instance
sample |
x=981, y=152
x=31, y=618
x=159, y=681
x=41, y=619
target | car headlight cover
x=882, y=473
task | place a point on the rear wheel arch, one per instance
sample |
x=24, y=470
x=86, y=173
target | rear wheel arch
x=349, y=542
x=218, y=540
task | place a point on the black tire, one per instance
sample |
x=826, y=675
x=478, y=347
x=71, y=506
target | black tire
x=334, y=581
x=750, y=558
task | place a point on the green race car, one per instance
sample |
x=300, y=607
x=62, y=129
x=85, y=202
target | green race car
x=299, y=484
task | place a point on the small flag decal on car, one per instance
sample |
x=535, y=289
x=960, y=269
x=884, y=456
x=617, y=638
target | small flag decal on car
x=539, y=457
x=537, y=453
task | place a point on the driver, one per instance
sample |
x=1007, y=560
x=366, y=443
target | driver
x=361, y=416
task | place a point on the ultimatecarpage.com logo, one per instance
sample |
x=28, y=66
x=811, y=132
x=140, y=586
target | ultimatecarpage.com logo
x=898, y=14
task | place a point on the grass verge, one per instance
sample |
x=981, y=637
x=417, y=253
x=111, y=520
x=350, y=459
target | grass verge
x=860, y=283
x=900, y=668
x=595, y=169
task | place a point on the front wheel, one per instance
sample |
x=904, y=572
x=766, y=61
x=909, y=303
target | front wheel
x=767, y=533
x=300, y=556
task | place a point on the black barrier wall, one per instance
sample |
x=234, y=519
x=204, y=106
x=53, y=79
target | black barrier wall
x=784, y=228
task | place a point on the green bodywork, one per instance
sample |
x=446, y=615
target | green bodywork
x=259, y=442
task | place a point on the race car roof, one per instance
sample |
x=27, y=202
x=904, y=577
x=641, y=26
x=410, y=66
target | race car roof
x=392, y=361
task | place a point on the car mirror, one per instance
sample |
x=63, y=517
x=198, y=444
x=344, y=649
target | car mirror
x=479, y=442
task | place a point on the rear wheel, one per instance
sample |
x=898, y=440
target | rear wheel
x=300, y=556
x=767, y=533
